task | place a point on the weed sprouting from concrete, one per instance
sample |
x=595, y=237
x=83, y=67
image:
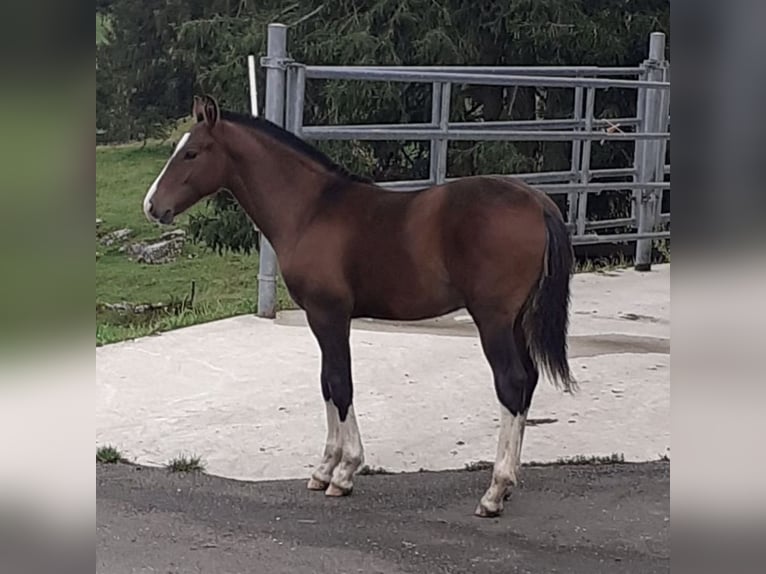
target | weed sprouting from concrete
x=108, y=454
x=183, y=463
x=603, y=264
x=580, y=460
x=368, y=470
x=478, y=465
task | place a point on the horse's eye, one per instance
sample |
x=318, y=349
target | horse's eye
x=190, y=154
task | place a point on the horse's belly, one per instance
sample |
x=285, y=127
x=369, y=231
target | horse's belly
x=404, y=298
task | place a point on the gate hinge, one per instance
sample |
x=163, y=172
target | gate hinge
x=276, y=63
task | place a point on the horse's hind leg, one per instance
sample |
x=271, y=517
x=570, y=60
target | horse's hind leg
x=515, y=378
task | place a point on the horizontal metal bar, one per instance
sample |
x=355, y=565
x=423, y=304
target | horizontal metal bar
x=540, y=177
x=540, y=180
x=617, y=238
x=531, y=177
x=382, y=75
x=607, y=223
x=406, y=185
x=560, y=123
x=622, y=222
x=592, y=187
x=525, y=70
x=427, y=133
x=566, y=176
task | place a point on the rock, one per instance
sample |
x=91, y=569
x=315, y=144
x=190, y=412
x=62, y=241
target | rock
x=174, y=234
x=156, y=253
x=126, y=307
x=116, y=236
x=99, y=222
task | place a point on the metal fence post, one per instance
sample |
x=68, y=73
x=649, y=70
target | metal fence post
x=440, y=108
x=582, y=201
x=648, y=169
x=274, y=112
x=663, y=145
x=296, y=91
x=638, y=147
x=573, y=197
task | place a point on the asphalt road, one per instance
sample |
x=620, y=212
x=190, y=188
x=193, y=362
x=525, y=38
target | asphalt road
x=580, y=519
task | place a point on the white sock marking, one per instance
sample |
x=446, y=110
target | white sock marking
x=153, y=187
x=333, y=446
x=352, y=451
x=508, y=458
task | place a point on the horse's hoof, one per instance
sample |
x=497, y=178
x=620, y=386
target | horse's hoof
x=484, y=512
x=316, y=484
x=335, y=490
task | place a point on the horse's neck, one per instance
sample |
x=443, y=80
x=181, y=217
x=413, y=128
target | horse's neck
x=276, y=186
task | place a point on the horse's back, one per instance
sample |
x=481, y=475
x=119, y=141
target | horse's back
x=416, y=255
x=432, y=251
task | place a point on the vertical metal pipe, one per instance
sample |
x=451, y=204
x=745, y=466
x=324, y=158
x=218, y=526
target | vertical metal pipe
x=444, y=109
x=439, y=145
x=290, y=82
x=638, y=147
x=436, y=102
x=274, y=112
x=576, y=151
x=253, y=97
x=664, y=125
x=299, y=100
x=652, y=121
x=294, y=98
x=253, y=85
x=582, y=202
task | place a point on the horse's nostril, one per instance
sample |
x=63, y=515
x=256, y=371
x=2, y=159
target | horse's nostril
x=167, y=217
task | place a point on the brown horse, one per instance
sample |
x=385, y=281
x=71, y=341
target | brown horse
x=348, y=248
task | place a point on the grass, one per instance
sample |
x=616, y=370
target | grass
x=368, y=470
x=479, y=465
x=108, y=455
x=183, y=463
x=603, y=264
x=225, y=285
x=580, y=460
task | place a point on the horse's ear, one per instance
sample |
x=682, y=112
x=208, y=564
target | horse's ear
x=198, y=109
x=211, y=111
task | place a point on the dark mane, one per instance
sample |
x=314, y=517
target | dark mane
x=292, y=141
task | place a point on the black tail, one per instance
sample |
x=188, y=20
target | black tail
x=546, y=318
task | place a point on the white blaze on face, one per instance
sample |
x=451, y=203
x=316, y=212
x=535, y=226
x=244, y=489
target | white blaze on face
x=153, y=187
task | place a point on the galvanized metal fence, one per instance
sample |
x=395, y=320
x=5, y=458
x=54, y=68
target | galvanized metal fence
x=646, y=180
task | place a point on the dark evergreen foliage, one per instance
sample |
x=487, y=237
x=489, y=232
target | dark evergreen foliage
x=161, y=52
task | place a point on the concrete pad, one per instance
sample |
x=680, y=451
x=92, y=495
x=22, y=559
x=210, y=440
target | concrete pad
x=244, y=392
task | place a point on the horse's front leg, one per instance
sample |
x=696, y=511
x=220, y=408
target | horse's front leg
x=343, y=453
x=321, y=477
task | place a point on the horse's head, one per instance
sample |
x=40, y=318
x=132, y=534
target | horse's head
x=197, y=168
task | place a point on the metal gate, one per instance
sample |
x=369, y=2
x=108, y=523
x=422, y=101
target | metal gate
x=646, y=180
